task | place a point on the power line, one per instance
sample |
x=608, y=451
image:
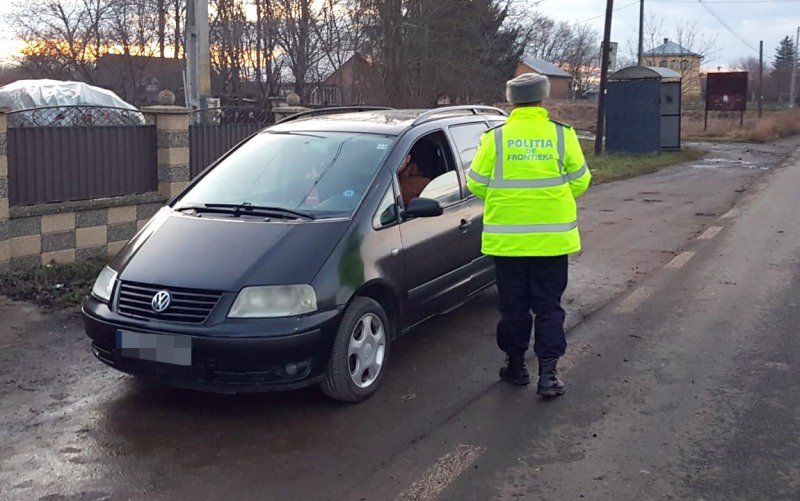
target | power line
x=635, y=2
x=725, y=25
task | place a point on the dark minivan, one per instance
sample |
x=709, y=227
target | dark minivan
x=295, y=259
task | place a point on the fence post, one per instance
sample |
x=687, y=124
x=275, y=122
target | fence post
x=172, y=137
x=5, y=250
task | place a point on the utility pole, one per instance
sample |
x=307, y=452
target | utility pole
x=198, y=54
x=640, y=60
x=760, y=74
x=793, y=87
x=601, y=96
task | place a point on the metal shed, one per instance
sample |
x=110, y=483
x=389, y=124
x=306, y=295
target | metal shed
x=643, y=110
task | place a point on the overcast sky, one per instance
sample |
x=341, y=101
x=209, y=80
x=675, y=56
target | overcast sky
x=752, y=20
x=767, y=20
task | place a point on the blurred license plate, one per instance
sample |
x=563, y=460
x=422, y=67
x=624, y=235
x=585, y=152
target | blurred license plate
x=164, y=348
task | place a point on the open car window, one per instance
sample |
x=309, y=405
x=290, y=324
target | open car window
x=322, y=173
x=432, y=171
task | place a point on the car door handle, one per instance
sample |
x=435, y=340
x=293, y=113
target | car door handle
x=465, y=225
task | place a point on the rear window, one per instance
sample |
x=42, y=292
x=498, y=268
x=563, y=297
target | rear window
x=324, y=173
x=467, y=137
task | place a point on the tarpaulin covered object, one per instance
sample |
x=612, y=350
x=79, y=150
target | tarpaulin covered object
x=24, y=95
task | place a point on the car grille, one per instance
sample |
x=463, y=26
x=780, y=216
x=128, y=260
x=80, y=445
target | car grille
x=191, y=306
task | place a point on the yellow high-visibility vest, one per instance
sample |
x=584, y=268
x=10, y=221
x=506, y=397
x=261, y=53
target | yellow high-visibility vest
x=529, y=173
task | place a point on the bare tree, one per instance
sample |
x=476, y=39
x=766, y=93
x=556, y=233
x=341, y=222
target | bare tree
x=582, y=58
x=161, y=26
x=230, y=40
x=574, y=47
x=63, y=37
x=687, y=34
x=178, y=17
x=267, y=73
x=548, y=39
x=751, y=65
x=297, y=37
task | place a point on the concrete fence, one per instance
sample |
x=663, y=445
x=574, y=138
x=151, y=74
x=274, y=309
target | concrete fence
x=79, y=229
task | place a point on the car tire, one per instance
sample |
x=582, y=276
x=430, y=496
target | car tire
x=361, y=340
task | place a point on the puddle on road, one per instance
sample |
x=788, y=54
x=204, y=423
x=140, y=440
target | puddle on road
x=742, y=155
x=726, y=163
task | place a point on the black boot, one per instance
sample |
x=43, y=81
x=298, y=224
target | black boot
x=549, y=384
x=515, y=371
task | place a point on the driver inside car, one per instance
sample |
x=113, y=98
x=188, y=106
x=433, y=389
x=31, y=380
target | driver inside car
x=412, y=182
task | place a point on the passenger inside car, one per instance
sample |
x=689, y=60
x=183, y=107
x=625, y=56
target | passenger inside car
x=412, y=181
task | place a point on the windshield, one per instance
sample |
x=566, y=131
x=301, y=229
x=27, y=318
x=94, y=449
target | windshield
x=321, y=173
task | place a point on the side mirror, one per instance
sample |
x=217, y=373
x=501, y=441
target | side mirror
x=424, y=207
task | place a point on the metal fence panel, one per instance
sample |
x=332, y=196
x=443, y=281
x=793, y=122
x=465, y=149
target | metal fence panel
x=209, y=142
x=56, y=164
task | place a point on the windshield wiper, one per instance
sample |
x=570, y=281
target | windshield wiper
x=245, y=207
x=202, y=208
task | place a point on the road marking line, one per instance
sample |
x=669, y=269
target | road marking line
x=710, y=233
x=679, y=260
x=632, y=302
x=731, y=214
x=444, y=472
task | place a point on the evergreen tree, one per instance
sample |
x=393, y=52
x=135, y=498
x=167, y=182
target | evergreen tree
x=429, y=51
x=785, y=55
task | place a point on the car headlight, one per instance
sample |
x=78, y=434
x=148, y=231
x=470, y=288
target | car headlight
x=274, y=301
x=104, y=284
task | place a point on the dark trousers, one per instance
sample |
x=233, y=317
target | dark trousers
x=534, y=284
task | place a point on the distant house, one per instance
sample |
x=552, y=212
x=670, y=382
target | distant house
x=675, y=57
x=332, y=84
x=139, y=79
x=560, y=80
x=350, y=84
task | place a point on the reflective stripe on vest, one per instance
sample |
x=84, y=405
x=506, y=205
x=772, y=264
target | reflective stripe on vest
x=560, y=147
x=529, y=183
x=498, y=151
x=477, y=177
x=500, y=182
x=512, y=229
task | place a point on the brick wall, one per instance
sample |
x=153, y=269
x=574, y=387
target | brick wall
x=76, y=230
x=68, y=231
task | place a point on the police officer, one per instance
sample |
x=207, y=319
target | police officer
x=529, y=171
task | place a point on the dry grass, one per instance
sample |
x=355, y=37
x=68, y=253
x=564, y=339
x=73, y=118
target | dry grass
x=52, y=285
x=771, y=126
x=580, y=114
x=775, y=124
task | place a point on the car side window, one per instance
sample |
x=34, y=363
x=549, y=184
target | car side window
x=386, y=215
x=466, y=138
x=429, y=171
x=444, y=188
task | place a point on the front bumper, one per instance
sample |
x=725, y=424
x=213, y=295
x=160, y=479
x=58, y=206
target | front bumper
x=234, y=356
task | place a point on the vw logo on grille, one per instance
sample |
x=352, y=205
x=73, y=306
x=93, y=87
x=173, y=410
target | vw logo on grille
x=161, y=301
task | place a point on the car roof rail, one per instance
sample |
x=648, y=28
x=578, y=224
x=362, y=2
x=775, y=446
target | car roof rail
x=474, y=109
x=331, y=111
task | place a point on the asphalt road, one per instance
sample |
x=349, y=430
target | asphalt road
x=680, y=376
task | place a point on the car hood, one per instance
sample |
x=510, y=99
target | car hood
x=177, y=250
